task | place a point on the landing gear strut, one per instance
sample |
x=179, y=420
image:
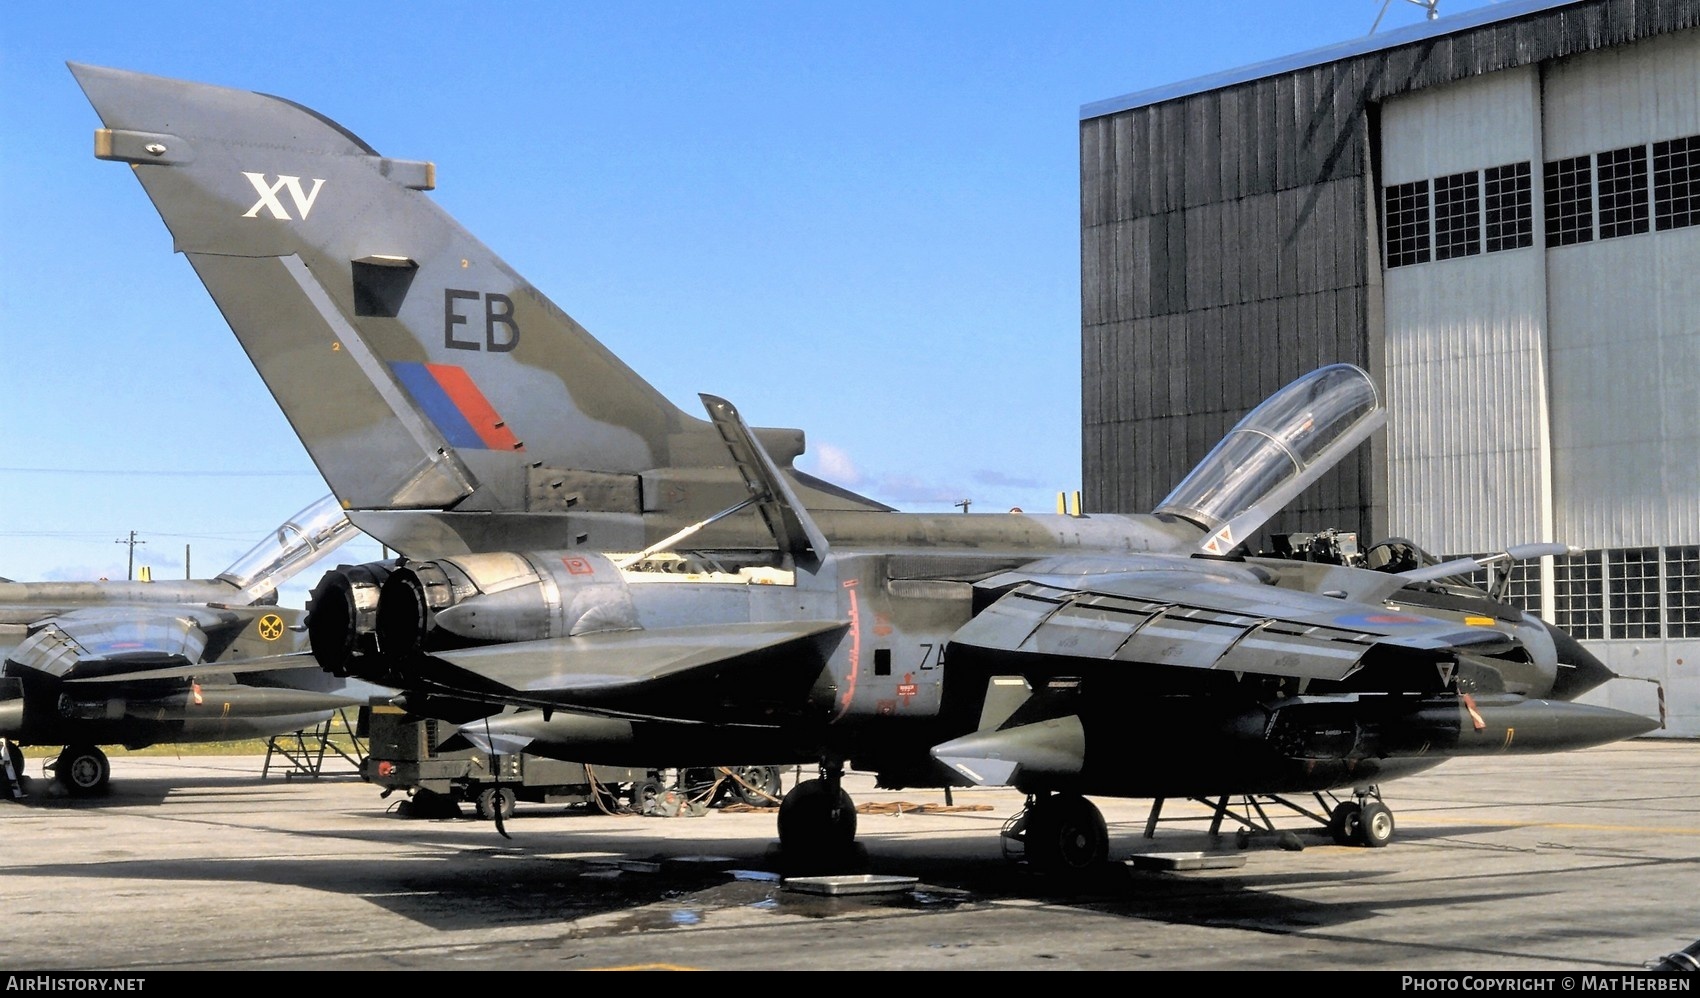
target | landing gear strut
x=16, y=784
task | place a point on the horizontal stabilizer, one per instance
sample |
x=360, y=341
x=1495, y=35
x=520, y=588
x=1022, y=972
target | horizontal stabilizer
x=600, y=666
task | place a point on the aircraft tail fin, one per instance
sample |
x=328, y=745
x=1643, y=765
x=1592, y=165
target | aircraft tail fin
x=419, y=370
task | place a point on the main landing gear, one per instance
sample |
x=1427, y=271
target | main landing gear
x=817, y=826
x=1061, y=833
x=83, y=770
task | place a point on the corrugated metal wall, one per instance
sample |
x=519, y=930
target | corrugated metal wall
x=1222, y=259
x=1625, y=351
x=1468, y=457
x=1229, y=242
x=1626, y=315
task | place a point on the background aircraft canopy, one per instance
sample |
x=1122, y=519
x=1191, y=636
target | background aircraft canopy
x=298, y=542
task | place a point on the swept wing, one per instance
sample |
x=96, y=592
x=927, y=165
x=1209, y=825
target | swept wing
x=1202, y=615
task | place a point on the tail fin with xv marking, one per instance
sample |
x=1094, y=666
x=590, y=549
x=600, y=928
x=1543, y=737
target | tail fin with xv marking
x=447, y=402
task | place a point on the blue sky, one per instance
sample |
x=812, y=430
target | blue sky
x=861, y=219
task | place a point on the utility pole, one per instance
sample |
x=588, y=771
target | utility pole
x=131, y=572
x=965, y=503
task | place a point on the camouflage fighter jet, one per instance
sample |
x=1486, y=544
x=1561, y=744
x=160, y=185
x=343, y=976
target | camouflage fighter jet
x=666, y=588
x=84, y=661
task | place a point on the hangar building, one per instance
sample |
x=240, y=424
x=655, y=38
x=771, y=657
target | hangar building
x=1497, y=214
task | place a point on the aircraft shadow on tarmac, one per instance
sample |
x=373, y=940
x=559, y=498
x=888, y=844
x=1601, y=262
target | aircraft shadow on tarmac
x=457, y=889
x=42, y=791
x=459, y=874
x=453, y=874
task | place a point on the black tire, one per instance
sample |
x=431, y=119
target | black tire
x=1066, y=835
x=707, y=785
x=757, y=786
x=817, y=829
x=644, y=794
x=493, y=801
x=429, y=804
x=1343, y=823
x=1375, y=825
x=83, y=770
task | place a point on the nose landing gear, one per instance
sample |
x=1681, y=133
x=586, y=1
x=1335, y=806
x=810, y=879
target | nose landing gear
x=1362, y=821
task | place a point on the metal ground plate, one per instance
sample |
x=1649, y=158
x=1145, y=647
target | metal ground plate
x=850, y=884
x=1187, y=861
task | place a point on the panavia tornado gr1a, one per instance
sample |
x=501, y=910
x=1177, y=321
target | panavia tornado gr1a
x=663, y=588
x=87, y=664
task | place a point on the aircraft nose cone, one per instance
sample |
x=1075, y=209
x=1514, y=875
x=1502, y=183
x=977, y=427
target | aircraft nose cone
x=1578, y=670
x=1625, y=725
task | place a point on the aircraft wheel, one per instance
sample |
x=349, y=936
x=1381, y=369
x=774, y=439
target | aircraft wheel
x=757, y=786
x=83, y=770
x=1343, y=823
x=1375, y=826
x=1066, y=834
x=644, y=794
x=428, y=804
x=607, y=800
x=493, y=801
x=705, y=784
x=817, y=828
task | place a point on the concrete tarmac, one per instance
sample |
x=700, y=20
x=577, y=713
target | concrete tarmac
x=1580, y=862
